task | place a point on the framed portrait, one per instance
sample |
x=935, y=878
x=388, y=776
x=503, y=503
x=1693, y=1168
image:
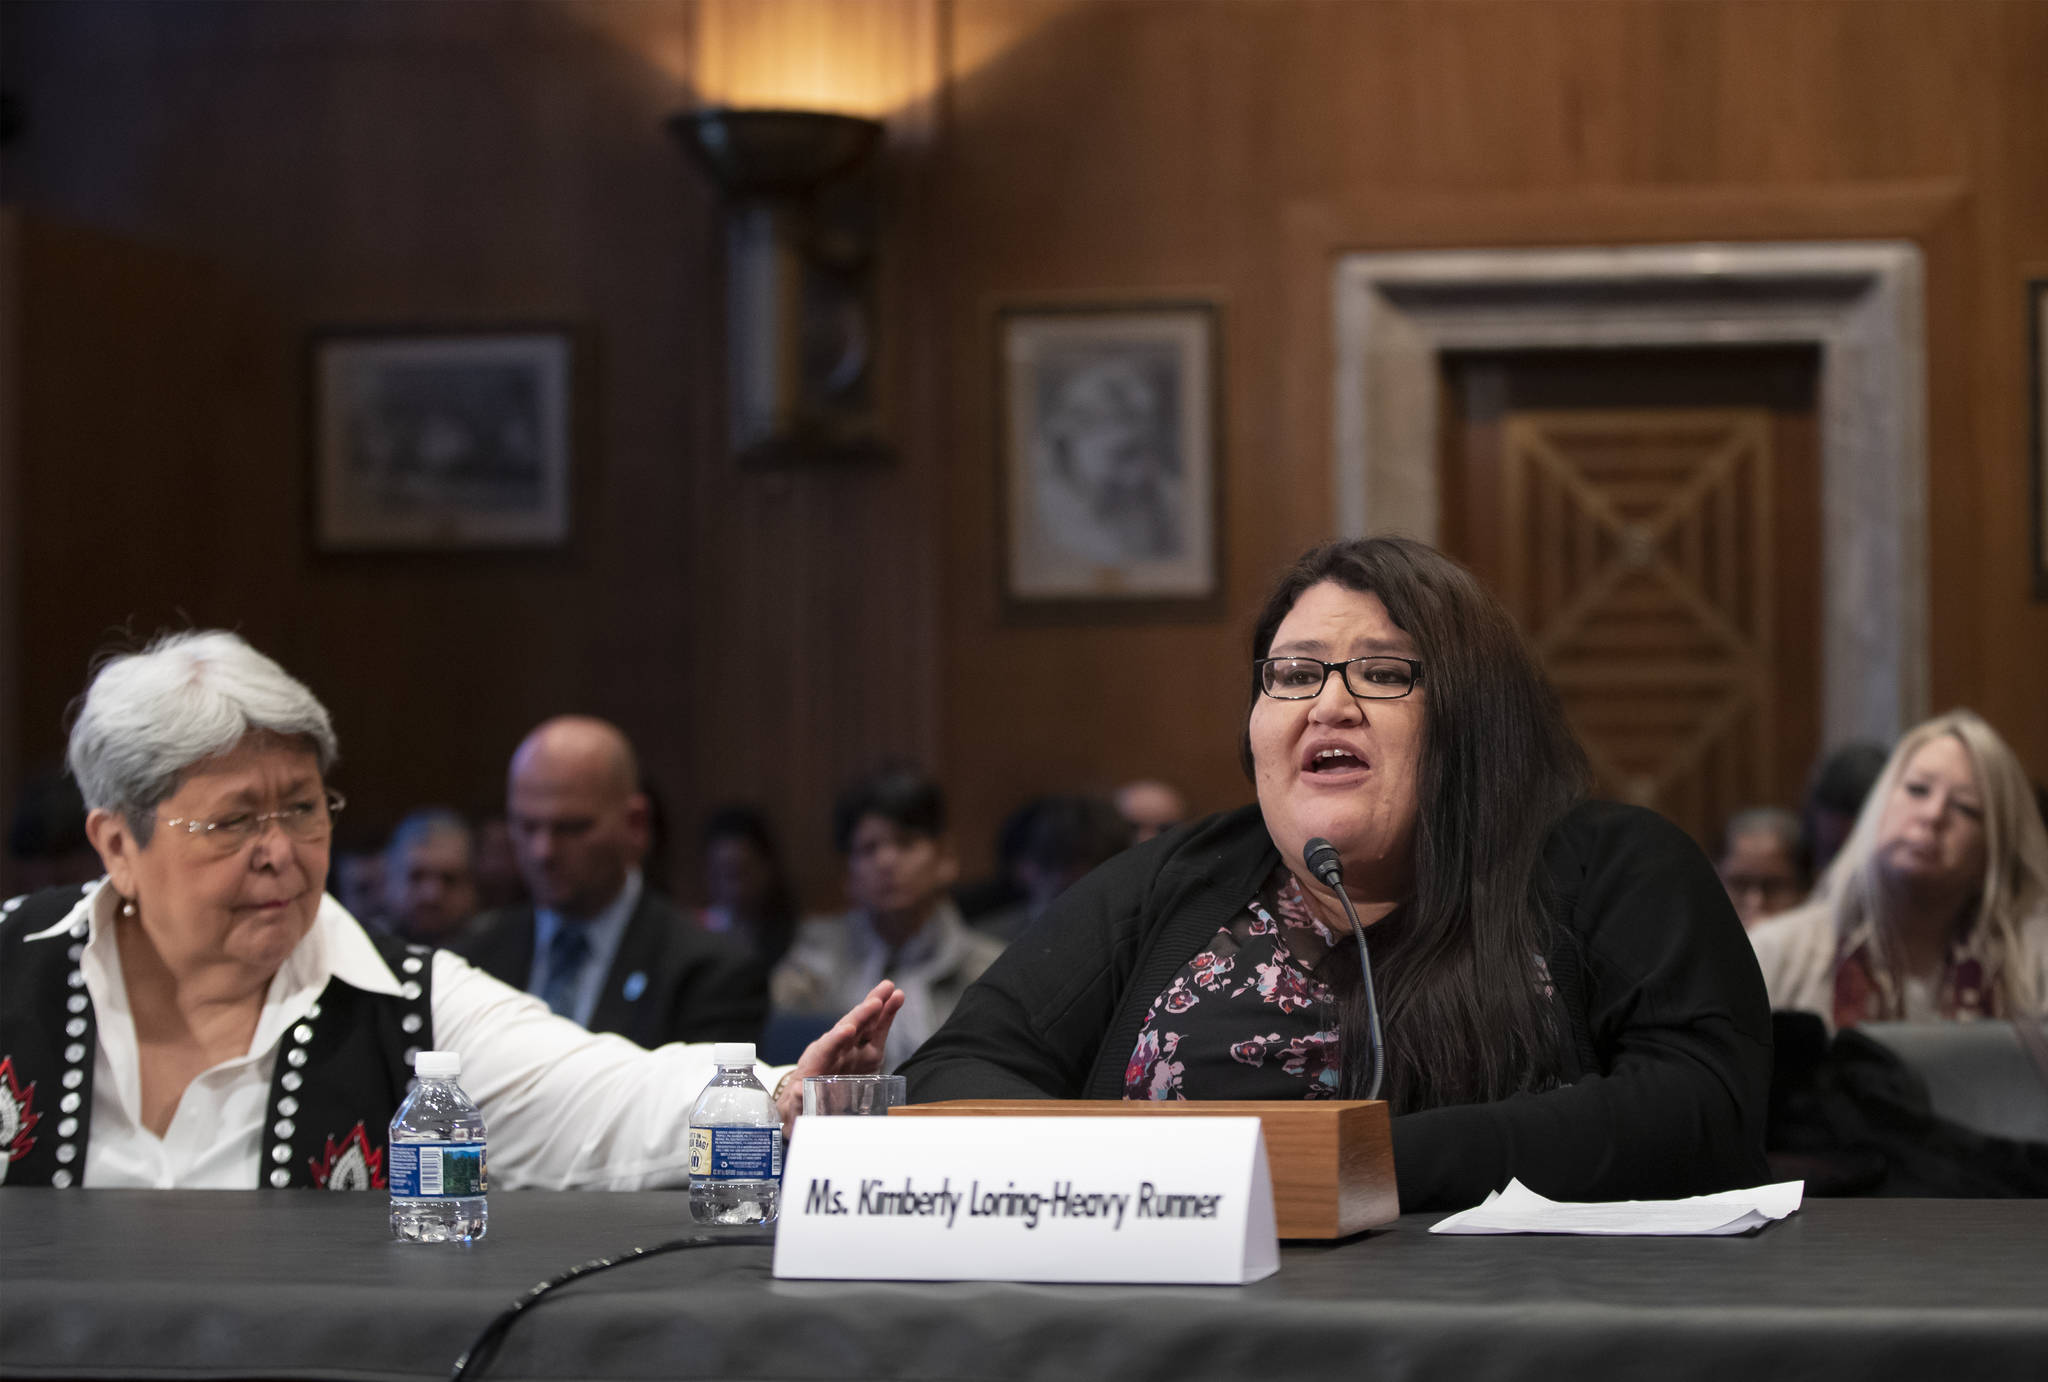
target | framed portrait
x=441, y=440
x=1109, y=460
x=2037, y=391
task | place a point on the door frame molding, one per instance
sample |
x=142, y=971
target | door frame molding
x=1859, y=301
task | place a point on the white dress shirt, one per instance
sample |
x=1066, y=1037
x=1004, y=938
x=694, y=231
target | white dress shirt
x=563, y=1108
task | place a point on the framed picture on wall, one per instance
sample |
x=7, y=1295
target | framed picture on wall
x=441, y=440
x=1109, y=460
x=2037, y=390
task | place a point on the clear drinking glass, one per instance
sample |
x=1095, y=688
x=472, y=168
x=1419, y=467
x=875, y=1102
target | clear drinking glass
x=852, y=1095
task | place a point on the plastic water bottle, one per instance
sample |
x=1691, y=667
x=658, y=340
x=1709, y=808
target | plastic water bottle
x=735, y=1144
x=435, y=1158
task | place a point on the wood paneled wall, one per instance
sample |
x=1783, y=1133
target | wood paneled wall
x=1233, y=150
x=10, y=508
x=327, y=164
x=339, y=162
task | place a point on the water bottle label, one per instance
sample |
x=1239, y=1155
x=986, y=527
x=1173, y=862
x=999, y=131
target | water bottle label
x=436, y=1170
x=735, y=1153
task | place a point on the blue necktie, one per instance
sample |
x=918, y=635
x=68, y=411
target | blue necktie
x=568, y=951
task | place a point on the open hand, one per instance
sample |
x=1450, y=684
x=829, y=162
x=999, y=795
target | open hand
x=852, y=1047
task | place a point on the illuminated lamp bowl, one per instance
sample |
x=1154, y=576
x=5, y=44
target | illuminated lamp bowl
x=775, y=152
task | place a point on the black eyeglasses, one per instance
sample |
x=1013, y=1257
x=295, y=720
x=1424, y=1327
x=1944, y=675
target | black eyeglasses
x=1368, y=678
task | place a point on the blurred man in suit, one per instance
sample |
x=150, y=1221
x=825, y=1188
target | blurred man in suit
x=595, y=942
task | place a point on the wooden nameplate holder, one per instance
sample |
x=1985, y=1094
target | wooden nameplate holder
x=1332, y=1162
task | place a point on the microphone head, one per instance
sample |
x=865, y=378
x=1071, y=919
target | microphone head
x=1321, y=857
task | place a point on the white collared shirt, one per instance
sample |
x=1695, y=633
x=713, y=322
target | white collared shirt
x=563, y=1108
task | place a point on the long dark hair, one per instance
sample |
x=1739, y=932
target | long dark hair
x=1457, y=970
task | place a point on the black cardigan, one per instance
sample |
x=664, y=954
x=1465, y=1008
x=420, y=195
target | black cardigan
x=1669, y=1050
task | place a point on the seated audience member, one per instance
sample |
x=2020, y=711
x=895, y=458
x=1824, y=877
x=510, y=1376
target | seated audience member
x=903, y=926
x=1839, y=786
x=46, y=843
x=206, y=1018
x=1567, y=995
x=1150, y=807
x=749, y=896
x=356, y=876
x=1937, y=906
x=1762, y=862
x=597, y=943
x=1001, y=890
x=1067, y=838
x=429, y=882
x=498, y=881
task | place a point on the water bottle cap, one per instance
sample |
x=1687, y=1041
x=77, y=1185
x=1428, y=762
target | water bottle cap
x=733, y=1052
x=437, y=1065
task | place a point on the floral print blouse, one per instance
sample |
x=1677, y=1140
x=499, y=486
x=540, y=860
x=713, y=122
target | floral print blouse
x=1246, y=1018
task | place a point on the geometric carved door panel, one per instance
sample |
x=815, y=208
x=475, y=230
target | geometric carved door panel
x=1636, y=547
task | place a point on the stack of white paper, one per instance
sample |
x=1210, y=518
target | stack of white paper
x=1518, y=1209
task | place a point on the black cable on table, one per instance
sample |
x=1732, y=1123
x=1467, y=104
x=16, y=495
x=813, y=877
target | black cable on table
x=485, y=1345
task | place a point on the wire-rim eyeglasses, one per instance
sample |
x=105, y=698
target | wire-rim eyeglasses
x=304, y=821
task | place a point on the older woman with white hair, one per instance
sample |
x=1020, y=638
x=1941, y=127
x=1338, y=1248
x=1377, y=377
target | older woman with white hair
x=1937, y=906
x=206, y=1017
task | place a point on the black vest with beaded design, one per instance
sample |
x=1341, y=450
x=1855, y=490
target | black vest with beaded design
x=340, y=1075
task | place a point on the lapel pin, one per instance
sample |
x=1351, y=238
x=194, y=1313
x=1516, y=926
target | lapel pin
x=636, y=984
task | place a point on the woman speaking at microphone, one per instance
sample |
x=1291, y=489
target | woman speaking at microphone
x=1566, y=995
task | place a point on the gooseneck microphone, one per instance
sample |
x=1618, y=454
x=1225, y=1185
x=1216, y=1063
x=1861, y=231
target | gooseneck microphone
x=1321, y=857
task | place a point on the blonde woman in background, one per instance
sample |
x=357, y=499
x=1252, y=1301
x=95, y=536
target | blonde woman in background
x=1937, y=906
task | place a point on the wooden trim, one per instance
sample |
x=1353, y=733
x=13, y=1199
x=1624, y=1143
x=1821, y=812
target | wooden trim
x=1393, y=217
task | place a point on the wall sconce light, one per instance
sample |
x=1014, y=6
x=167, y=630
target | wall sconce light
x=800, y=279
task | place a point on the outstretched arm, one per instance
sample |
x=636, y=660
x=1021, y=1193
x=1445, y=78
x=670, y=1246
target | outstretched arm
x=852, y=1047
x=1030, y=1027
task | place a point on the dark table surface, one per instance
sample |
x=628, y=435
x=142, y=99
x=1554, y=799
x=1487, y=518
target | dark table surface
x=297, y=1284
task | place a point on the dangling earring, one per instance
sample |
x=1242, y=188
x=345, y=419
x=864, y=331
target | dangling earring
x=127, y=907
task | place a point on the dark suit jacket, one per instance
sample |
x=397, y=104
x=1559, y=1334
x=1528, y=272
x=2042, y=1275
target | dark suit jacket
x=694, y=986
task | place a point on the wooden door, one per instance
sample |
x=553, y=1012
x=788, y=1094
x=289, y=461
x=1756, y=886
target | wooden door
x=1662, y=557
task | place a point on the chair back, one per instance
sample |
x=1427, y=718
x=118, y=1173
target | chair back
x=1981, y=1075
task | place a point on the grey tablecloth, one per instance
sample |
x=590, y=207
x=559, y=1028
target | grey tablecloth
x=304, y=1285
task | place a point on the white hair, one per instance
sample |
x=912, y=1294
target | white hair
x=2015, y=881
x=149, y=716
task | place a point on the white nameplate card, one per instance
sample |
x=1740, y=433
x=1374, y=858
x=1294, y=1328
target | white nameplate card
x=1027, y=1199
